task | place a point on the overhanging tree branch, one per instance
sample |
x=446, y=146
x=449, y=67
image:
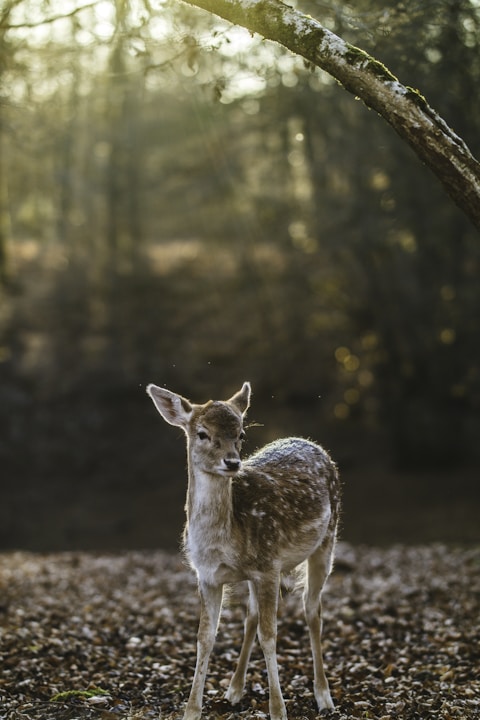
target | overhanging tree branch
x=403, y=108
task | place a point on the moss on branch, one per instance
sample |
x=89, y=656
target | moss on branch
x=363, y=61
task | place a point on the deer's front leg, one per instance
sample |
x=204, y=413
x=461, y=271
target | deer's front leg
x=210, y=605
x=267, y=600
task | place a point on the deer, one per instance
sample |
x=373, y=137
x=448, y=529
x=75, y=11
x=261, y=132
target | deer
x=253, y=520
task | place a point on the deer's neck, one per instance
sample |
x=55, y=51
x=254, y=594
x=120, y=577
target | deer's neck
x=209, y=500
x=208, y=532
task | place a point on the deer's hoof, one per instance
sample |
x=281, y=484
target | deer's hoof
x=234, y=694
x=324, y=700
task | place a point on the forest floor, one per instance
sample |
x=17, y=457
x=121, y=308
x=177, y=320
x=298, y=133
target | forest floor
x=87, y=636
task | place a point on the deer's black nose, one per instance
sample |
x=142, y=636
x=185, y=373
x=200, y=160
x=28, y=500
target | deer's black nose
x=232, y=465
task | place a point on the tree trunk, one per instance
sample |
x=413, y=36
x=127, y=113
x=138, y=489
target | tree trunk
x=5, y=225
x=402, y=107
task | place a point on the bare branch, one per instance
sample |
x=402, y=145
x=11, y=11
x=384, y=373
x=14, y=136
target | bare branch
x=7, y=9
x=48, y=20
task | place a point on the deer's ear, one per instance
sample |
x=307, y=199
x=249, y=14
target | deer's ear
x=241, y=399
x=174, y=408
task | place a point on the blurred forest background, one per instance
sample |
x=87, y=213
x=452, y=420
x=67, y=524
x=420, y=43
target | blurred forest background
x=185, y=204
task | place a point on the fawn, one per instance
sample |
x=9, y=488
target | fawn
x=253, y=520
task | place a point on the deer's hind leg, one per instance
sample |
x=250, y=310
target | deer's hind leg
x=237, y=685
x=319, y=566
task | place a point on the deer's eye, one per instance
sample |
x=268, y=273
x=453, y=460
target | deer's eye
x=241, y=436
x=202, y=435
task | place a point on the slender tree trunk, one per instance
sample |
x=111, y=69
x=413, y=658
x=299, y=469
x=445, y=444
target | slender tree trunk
x=402, y=107
x=5, y=225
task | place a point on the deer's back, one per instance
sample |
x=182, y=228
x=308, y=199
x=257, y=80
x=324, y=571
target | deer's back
x=289, y=456
x=285, y=501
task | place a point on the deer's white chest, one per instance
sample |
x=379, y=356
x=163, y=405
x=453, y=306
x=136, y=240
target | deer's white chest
x=211, y=554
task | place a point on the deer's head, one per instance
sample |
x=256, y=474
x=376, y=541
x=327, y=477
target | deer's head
x=214, y=430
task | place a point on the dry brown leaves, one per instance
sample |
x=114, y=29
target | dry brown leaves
x=401, y=638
